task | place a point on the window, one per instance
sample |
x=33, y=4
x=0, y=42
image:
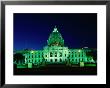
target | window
x=32, y=55
x=60, y=60
x=88, y=59
x=81, y=59
x=60, y=54
x=55, y=54
x=50, y=54
x=55, y=60
x=50, y=60
x=76, y=60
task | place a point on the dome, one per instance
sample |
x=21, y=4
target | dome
x=55, y=38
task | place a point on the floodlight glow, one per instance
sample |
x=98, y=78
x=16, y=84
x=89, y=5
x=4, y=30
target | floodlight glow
x=79, y=51
x=32, y=51
x=55, y=52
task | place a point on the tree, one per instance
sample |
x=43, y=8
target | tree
x=18, y=57
x=92, y=53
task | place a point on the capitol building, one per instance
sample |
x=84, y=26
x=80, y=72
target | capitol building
x=54, y=53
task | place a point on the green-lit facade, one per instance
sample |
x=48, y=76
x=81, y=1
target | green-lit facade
x=54, y=53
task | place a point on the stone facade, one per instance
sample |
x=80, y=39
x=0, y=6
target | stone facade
x=54, y=52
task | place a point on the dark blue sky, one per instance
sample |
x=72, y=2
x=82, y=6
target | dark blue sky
x=32, y=30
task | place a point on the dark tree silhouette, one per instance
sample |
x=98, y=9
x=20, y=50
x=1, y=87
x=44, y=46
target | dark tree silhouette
x=92, y=53
x=18, y=57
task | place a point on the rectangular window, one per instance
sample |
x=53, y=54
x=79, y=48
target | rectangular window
x=55, y=60
x=55, y=54
x=75, y=55
x=76, y=60
x=50, y=60
x=60, y=60
x=60, y=54
x=50, y=54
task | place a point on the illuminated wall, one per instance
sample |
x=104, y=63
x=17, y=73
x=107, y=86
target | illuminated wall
x=54, y=52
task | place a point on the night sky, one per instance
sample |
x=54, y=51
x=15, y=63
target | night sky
x=32, y=30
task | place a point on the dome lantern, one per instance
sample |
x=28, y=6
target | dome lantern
x=55, y=38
